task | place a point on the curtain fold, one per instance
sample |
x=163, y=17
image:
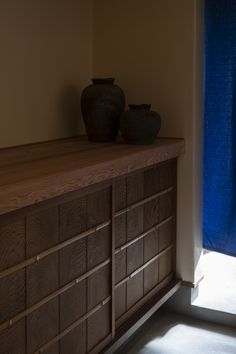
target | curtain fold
x=219, y=200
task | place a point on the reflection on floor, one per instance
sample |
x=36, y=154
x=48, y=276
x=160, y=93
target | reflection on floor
x=217, y=291
x=169, y=333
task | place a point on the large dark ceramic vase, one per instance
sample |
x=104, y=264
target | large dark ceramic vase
x=140, y=125
x=102, y=104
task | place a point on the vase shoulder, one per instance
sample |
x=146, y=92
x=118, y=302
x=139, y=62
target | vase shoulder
x=140, y=125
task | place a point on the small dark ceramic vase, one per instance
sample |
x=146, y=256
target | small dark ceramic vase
x=102, y=104
x=140, y=125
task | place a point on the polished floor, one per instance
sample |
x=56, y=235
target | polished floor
x=169, y=333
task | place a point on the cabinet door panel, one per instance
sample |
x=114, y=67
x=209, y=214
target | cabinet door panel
x=42, y=325
x=135, y=188
x=165, y=265
x=99, y=326
x=167, y=174
x=121, y=230
x=75, y=341
x=120, y=194
x=12, y=340
x=135, y=222
x=134, y=289
x=73, y=260
x=120, y=265
x=99, y=286
x=151, y=245
x=99, y=247
x=166, y=235
x=12, y=243
x=41, y=231
x=134, y=256
x=73, y=218
x=121, y=295
x=151, y=181
x=151, y=213
x=12, y=295
x=138, y=220
x=151, y=276
x=99, y=207
x=73, y=304
x=42, y=279
x=167, y=205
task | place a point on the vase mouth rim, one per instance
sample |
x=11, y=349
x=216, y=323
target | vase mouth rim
x=142, y=106
x=100, y=81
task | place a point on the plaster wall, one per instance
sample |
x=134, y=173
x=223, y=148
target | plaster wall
x=154, y=50
x=46, y=60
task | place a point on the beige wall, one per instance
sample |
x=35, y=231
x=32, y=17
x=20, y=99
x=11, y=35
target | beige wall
x=45, y=60
x=150, y=47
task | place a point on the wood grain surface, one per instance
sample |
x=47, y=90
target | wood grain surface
x=37, y=172
x=73, y=271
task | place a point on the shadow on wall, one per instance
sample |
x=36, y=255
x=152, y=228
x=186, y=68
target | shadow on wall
x=69, y=109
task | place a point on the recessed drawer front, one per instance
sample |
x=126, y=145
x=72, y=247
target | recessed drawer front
x=74, y=269
x=55, y=276
x=145, y=240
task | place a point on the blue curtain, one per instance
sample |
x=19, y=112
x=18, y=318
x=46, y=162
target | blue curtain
x=219, y=201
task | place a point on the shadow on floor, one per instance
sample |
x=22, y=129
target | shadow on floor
x=170, y=333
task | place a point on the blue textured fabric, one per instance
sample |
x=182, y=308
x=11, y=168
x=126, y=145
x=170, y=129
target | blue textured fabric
x=219, y=201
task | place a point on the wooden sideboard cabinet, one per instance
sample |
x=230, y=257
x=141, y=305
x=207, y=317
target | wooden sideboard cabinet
x=80, y=268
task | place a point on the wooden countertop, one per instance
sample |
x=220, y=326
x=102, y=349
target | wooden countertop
x=33, y=173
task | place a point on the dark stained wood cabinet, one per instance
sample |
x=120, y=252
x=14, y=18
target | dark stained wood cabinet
x=76, y=268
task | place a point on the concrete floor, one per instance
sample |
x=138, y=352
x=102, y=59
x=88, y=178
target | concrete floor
x=217, y=291
x=169, y=333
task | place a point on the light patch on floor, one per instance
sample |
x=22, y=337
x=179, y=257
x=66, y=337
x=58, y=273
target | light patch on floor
x=217, y=291
x=176, y=334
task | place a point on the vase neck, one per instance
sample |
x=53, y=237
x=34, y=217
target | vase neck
x=107, y=81
x=144, y=106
